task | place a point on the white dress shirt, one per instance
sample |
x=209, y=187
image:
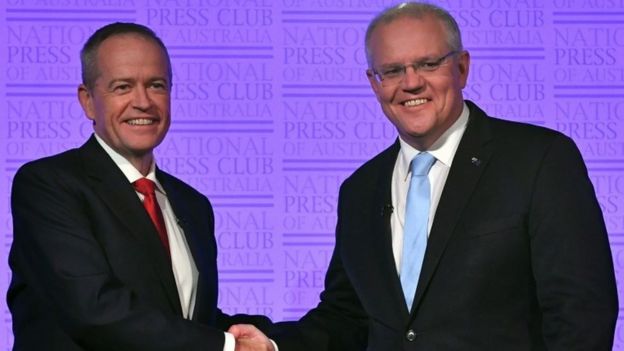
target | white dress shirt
x=443, y=150
x=184, y=269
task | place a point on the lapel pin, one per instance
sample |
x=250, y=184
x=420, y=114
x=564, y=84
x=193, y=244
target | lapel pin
x=475, y=161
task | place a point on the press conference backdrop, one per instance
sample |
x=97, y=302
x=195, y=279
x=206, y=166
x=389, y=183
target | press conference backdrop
x=272, y=110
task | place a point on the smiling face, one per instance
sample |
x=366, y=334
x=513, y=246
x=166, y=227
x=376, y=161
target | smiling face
x=424, y=104
x=130, y=101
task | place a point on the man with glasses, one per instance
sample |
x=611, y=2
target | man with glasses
x=469, y=232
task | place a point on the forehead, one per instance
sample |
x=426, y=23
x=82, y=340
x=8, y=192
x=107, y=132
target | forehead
x=408, y=38
x=125, y=52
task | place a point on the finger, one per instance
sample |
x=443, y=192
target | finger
x=235, y=330
x=244, y=330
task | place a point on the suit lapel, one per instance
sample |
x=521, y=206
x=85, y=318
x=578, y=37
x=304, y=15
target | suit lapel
x=113, y=188
x=199, y=239
x=470, y=160
x=382, y=238
x=184, y=214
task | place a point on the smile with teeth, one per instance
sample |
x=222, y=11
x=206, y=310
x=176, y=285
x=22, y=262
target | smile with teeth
x=141, y=121
x=414, y=102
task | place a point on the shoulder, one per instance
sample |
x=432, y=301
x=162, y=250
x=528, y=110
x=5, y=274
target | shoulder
x=513, y=135
x=511, y=128
x=525, y=146
x=172, y=182
x=527, y=138
x=64, y=164
x=59, y=176
x=368, y=174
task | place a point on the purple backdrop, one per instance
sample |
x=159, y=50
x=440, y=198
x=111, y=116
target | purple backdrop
x=272, y=111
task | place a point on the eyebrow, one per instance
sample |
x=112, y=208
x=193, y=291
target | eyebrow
x=423, y=59
x=132, y=80
x=118, y=80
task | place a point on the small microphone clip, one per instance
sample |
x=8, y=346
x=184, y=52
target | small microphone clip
x=387, y=209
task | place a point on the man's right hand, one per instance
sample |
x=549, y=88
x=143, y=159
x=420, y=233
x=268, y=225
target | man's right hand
x=249, y=338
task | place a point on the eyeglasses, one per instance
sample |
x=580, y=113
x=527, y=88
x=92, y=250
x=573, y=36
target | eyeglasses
x=393, y=75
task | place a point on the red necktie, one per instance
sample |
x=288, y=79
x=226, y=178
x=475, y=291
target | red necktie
x=146, y=187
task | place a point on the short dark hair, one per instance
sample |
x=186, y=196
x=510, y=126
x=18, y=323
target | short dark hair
x=88, y=54
x=416, y=10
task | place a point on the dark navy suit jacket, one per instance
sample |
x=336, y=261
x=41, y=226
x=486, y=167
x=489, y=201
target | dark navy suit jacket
x=517, y=258
x=89, y=272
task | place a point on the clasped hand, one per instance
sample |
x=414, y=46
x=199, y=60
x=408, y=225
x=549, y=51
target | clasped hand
x=249, y=338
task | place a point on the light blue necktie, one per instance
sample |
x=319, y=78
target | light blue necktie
x=416, y=225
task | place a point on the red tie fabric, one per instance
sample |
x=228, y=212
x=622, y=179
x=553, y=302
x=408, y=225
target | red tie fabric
x=146, y=187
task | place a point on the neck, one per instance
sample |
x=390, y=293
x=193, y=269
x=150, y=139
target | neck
x=418, y=143
x=142, y=163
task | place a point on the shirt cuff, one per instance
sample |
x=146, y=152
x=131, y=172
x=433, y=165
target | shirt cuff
x=230, y=342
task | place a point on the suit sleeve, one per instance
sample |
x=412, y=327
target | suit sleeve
x=225, y=321
x=339, y=322
x=61, y=259
x=571, y=258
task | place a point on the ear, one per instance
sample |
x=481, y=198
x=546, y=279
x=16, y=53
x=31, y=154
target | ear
x=373, y=82
x=86, y=101
x=463, y=65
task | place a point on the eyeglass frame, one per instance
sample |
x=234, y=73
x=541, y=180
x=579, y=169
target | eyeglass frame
x=416, y=66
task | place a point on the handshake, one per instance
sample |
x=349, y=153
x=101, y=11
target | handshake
x=249, y=338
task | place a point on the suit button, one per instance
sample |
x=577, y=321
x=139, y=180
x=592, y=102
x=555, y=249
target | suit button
x=410, y=336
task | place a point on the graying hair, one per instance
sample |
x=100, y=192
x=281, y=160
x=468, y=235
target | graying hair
x=88, y=54
x=418, y=10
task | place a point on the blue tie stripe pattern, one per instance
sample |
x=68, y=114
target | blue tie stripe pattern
x=416, y=225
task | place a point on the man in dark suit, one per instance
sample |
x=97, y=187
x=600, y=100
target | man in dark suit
x=109, y=252
x=517, y=256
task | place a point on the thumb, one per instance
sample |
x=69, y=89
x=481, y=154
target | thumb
x=241, y=330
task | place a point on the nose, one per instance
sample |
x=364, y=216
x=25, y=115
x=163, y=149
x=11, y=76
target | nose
x=412, y=80
x=142, y=100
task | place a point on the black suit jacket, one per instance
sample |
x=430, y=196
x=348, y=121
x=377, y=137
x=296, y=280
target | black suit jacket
x=89, y=272
x=517, y=257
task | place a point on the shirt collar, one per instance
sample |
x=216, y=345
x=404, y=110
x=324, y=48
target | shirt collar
x=131, y=173
x=442, y=149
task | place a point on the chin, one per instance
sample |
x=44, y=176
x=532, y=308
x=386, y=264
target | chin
x=141, y=149
x=418, y=130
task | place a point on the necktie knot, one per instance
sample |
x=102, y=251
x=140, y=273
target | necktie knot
x=144, y=186
x=421, y=164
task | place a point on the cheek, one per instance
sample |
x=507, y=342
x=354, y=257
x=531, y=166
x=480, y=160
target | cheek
x=386, y=96
x=161, y=100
